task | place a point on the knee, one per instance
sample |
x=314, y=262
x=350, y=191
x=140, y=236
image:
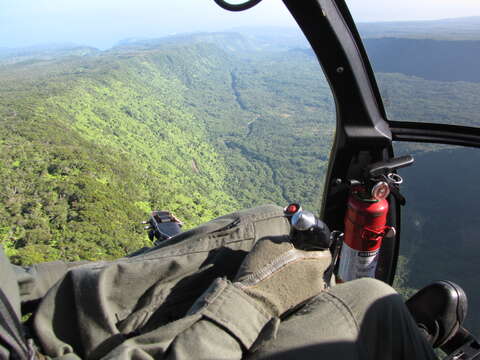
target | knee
x=365, y=294
x=373, y=288
x=261, y=212
x=378, y=299
x=269, y=221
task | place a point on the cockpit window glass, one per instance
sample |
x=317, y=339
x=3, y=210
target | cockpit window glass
x=439, y=235
x=425, y=57
x=110, y=110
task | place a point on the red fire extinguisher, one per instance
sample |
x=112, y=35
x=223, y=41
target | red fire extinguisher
x=365, y=228
x=366, y=220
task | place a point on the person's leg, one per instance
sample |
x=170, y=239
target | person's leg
x=103, y=302
x=361, y=319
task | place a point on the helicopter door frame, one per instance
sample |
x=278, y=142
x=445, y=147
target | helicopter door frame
x=435, y=133
x=363, y=132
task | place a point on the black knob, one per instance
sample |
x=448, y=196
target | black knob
x=310, y=233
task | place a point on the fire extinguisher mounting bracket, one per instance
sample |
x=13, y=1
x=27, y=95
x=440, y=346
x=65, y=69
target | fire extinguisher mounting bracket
x=387, y=166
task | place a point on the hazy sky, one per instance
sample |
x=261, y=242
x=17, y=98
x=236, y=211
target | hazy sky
x=101, y=23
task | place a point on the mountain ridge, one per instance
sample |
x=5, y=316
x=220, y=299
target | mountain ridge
x=284, y=38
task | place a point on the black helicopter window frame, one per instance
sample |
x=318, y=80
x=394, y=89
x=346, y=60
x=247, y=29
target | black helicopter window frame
x=328, y=24
x=362, y=125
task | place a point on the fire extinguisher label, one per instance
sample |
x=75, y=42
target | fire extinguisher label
x=355, y=264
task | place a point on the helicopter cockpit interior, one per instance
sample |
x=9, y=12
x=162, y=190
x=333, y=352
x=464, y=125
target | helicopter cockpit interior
x=365, y=114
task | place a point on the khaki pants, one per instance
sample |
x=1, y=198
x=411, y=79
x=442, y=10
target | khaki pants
x=136, y=307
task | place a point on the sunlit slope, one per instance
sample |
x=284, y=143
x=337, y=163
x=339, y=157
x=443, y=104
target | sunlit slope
x=90, y=144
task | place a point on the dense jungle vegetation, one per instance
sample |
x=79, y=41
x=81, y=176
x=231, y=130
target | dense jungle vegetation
x=91, y=144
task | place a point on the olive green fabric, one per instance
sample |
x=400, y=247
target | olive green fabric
x=10, y=290
x=111, y=309
x=177, y=301
x=8, y=283
x=34, y=281
x=363, y=319
x=232, y=309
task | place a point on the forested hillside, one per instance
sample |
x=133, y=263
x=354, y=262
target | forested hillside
x=90, y=144
x=200, y=125
x=90, y=149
